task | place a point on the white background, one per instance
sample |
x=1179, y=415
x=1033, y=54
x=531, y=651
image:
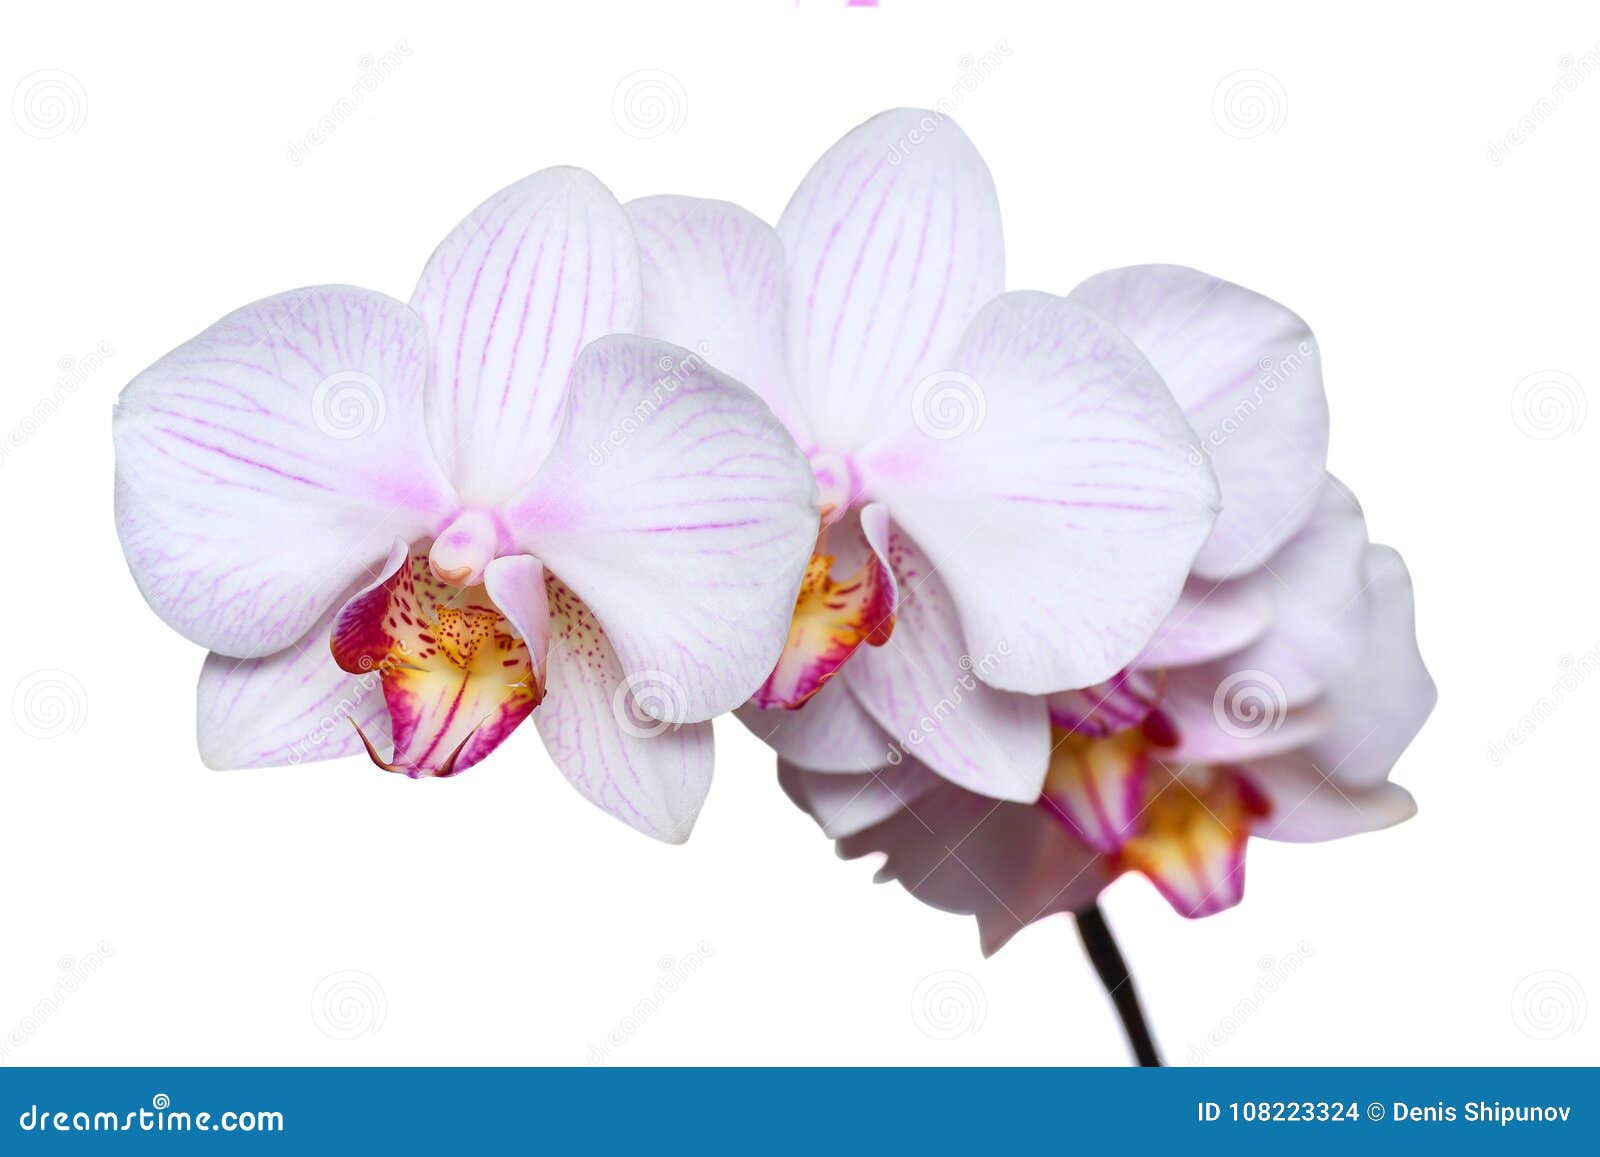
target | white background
x=500, y=919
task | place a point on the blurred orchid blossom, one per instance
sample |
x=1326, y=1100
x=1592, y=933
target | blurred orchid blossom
x=480, y=502
x=1011, y=497
x=1273, y=701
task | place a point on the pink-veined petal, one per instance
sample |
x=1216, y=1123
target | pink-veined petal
x=1007, y=864
x=601, y=728
x=292, y=707
x=929, y=692
x=1064, y=515
x=456, y=677
x=510, y=296
x=894, y=244
x=832, y=733
x=841, y=607
x=1121, y=703
x=846, y=804
x=677, y=507
x=1381, y=702
x=714, y=281
x=1247, y=373
x=264, y=465
x=1209, y=621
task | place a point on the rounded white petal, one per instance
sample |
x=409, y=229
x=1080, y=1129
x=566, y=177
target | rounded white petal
x=510, y=297
x=267, y=463
x=894, y=243
x=679, y=509
x=1063, y=517
x=1248, y=375
x=714, y=281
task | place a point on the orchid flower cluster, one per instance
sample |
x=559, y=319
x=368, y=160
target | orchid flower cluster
x=1026, y=591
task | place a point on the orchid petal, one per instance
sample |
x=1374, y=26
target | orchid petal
x=1121, y=703
x=844, y=805
x=678, y=509
x=264, y=465
x=1309, y=807
x=1223, y=712
x=1209, y=621
x=1316, y=584
x=1007, y=864
x=926, y=689
x=894, y=244
x=714, y=280
x=292, y=707
x=456, y=677
x=1380, y=704
x=1065, y=516
x=832, y=733
x=510, y=296
x=602, y=729
x=1248, y=375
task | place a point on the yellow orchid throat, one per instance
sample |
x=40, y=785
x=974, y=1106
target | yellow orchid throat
x=832, y=617
x=1183, y=826
x=456, y=677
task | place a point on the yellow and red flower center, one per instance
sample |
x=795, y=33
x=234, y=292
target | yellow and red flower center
x=832, y=617
x=1183, y=826
x=456, y=677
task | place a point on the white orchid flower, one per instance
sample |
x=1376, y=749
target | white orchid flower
x=1012, y=498
x=415, y=526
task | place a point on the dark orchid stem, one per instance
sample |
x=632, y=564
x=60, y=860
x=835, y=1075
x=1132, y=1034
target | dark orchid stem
x=1107, y=959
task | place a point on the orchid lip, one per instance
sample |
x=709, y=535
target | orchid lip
x=832, y=618
x=457, y=675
